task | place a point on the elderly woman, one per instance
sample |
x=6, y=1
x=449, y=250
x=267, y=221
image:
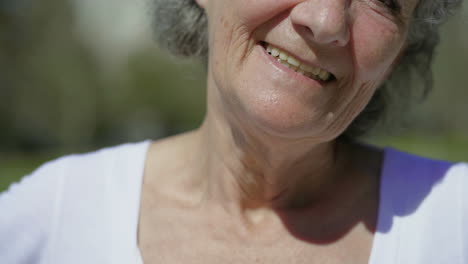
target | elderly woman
x=273, y=175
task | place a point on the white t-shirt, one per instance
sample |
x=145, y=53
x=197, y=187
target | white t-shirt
x=84, y=209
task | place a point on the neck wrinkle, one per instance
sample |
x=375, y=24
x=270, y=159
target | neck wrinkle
x=242, y=173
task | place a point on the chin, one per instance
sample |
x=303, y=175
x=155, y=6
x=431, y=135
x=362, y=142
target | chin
x=286, y=118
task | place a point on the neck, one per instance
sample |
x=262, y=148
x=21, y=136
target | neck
x=247, y=171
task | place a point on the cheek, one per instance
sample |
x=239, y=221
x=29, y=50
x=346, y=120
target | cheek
x=376, y=45
x=254, y=13
x=243, y=15
x=232, y=24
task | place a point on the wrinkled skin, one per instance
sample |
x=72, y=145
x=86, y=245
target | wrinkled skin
x=358, y=41
x=264, y=180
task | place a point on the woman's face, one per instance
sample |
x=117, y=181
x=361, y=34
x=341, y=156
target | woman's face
x=302, y=68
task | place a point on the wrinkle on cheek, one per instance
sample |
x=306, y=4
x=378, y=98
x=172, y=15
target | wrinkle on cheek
x=375, y=38
x=375, y=54
x=255, y=12
x=230, y=38
x=362, y=98
x=355, y=105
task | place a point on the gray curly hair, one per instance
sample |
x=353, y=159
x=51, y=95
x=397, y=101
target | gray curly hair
x=181, y=26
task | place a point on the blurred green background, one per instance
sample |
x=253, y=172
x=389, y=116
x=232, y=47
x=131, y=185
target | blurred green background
x=78, y=75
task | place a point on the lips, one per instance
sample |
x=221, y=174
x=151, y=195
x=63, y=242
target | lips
x=297, y=65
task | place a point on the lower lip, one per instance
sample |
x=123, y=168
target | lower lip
x=291, y=74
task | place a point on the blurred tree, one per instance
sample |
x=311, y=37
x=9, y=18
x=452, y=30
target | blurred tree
x=57, y=93
x=49, y=87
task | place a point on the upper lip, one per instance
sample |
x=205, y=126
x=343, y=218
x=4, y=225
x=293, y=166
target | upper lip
x=300, y=58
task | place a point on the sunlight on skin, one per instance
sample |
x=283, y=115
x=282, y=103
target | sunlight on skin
x=255, y=103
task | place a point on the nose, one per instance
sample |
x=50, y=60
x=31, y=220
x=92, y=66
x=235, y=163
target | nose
x=323, y=21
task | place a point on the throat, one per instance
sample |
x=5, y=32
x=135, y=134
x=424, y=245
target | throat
x=244, y=170
x=252, y=188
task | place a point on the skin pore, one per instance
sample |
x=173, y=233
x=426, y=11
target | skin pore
x=263, y=180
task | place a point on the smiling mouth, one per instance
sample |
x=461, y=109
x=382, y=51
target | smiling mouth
x=296, y=65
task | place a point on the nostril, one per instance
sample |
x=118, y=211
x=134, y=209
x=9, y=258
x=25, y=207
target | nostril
x=309, y=31
x=304, y=30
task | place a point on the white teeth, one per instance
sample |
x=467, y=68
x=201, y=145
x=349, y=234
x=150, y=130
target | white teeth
x=286, y=64
x=293, y=61
x=283, y=56
x=275, y=52
x=324, y=75
x=307, y=68
x=288, y=61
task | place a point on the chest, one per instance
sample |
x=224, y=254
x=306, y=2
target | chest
x=200, y=251
x=221, y=253
x=171, y=239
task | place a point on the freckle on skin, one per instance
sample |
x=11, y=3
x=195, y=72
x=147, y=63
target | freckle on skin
x=223, y=22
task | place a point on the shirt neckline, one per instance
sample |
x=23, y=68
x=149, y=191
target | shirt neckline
x=381, y=214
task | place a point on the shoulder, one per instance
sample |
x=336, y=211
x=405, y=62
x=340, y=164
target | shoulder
x=421, y=184
x=416, y=185
x=32, y=208
x=105, y=157
x=413, y=172
x=94, y=166
x=408, y=167
x=86, y=165
x=423, y=202
x=459, y=169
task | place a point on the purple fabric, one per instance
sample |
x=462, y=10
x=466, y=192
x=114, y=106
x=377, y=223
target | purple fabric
x=406, y=181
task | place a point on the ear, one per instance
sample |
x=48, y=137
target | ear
x=202, y=3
